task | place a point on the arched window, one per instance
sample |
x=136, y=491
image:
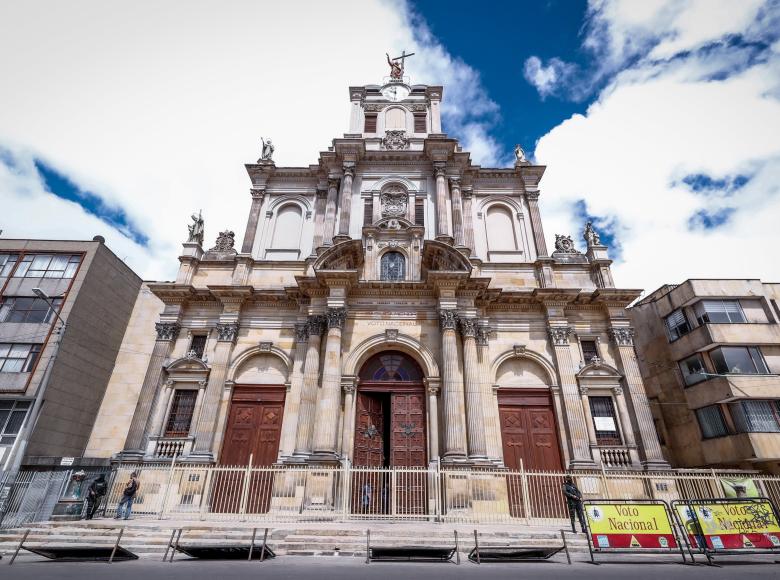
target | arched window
x=391, y=365
x=500, y=230
x=395, y=118
x=287, y=229
x=393, y=267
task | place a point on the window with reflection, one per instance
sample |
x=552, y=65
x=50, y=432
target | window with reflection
x=391, y=366
x=393, y=267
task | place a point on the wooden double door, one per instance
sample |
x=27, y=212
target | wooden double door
x=254, y=428
x=389, y=432
x=529, y=437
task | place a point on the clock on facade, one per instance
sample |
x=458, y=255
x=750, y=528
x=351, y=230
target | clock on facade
x=395, y=93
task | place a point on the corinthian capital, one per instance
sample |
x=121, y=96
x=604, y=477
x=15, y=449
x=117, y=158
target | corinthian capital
x=315, y=325
x=468, y=327
x=483, y=335
x=439, y=169
x=227, y=332
x=559, y=335
x=622, y=336
x=336, y=317
x=448, y=319
x=349, y=170
x=301, y=332
x=167, y=330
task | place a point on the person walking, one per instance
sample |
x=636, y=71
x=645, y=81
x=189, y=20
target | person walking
x=128, y=496
x=95, y=495
x=574, y=502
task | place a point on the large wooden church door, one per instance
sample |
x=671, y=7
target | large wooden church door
x=254, y=428
x=389, y=433
x=530, y=439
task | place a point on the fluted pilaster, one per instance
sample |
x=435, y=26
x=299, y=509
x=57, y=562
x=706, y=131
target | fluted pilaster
x=442, y=221
x=457, y=212
x=452, y=389
x=346, y=202
x=475, y=415
x=329, y=405
x=293, y=399
x=254, y=218
x=311, y=377
x=330, y=211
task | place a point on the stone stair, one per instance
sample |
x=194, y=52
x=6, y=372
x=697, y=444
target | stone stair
x=149, y=539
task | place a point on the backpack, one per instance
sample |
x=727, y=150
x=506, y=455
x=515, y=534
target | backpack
x=101, y=487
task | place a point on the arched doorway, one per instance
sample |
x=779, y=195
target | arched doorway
x=390, y=437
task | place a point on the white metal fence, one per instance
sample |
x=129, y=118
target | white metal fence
x=309, y=493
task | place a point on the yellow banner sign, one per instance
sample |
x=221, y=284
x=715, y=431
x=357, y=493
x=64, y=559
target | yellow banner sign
x=731, y=526
x=629, y=525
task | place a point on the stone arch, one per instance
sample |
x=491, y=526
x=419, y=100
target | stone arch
x=346, y=255
x=512, y=204
x=284, y=361
x=390, y=341
x=534, y=357
x=386, y=182
x=187, y=363
x=298, y=200
x=600, y=370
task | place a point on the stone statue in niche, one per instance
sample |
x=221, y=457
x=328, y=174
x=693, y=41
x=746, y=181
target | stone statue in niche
x=394, y=201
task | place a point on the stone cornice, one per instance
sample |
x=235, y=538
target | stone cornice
x=171, y=293
x=231, y=294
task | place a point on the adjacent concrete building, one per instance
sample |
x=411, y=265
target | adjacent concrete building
x=709, y=351
x=66, y=370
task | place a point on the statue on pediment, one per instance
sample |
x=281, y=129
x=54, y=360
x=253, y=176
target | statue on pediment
x=591, y=236
x=196, y=229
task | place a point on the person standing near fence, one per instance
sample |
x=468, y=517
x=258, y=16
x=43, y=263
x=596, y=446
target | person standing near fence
x=574, y=502
x=95, y=495
x=128, y=496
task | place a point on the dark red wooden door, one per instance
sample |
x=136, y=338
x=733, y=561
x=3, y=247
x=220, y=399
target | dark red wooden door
x=408, y=430
x=370, y=431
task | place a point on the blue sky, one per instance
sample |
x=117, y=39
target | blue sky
x=656, y=119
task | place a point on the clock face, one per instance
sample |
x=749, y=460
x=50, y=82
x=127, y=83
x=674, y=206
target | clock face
x=395, y=93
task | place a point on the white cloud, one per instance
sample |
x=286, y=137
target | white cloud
x=659, y=121
x=547, y=78
x=156, y=106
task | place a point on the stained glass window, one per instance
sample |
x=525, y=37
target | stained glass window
x=393, y=267
x=391, y=366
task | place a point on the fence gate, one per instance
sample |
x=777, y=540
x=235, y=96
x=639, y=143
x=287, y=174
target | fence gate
x=32, y=497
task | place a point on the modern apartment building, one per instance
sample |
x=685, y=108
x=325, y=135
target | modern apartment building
x=709, y=353
x=44, y=283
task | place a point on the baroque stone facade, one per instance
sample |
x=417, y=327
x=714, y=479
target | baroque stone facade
x=393, y=304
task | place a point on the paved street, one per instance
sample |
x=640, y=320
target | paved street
x=344, y=568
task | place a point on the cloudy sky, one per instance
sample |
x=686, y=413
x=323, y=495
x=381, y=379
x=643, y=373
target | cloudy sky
x=659, y=120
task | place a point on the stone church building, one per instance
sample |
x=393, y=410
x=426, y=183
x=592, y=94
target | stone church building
x=393, y=304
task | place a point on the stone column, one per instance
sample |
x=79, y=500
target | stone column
x=433, y=421
x=293, y=399
x=319, y=219
x=254, y=218
x=138, y=435
x=442, y=222
x=452, y=387
x=625, y=420
x=468, y=219
x=457, y=212
x=492, y=420
x=644, y=427
x=346, y=202
x=330, y=211
x=227, y=333
x=588, y=416
x=475, y=411
x=311, y=378
x=329, y=404
x=572, y=404
x=349, y=418
x=536, y=223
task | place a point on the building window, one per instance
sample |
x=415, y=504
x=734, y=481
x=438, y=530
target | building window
x=182, y=407
x=711, y=422
x=395, y=118
x=30, y=310
x=393, y=267
x=603, y=412
x=287, y=229
x=500, y=230
x=7, y=263
x=18, y=358
x=419, y=212
x=48, y=266
x=677, y=325
x=756, y=416
x=198, y=345
x=692, y=369
x=370, y=124
x=590, y=351
x=718, y=311
x=368, y=211
x=738, y=360
x=420, y=125
x=12, y=414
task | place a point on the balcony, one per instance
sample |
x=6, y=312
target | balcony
x=708, y=335
x=723, y=389
x=615, y=456
x=742, y=447
x=169, y=447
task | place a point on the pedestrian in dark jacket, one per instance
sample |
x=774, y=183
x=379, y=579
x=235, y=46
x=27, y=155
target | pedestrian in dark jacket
x=95, y=495
x=128, y=496
x=574, y=502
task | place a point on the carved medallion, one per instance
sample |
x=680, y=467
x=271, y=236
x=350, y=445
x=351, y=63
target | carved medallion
x=395, y=140
x=394, y=201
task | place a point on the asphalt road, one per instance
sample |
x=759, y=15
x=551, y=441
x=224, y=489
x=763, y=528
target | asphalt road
x=346, y=568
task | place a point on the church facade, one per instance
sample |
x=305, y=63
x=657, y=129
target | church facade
x=391, y=305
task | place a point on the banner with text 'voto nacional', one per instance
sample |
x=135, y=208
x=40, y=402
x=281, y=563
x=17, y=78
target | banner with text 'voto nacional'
x=733, y=525
x=638, y=526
